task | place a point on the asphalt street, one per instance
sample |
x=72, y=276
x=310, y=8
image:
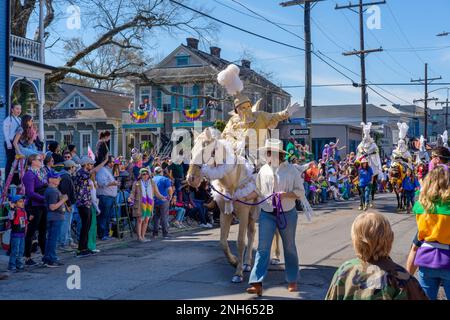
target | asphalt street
x=193, y=266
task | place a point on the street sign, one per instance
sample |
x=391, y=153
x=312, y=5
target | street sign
x=300, y=121
x=299, y=132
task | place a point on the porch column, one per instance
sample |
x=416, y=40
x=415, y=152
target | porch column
x=116, y=141
x=124, y=143
x=41, y=103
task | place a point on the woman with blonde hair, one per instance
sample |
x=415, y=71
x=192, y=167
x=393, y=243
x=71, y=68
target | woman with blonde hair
x=142, y=199
x=433, y=223
x=373, y=275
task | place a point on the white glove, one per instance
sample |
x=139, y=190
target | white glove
x=9, y=145
x=292, y=108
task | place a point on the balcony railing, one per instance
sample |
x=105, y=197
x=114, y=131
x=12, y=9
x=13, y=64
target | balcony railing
x=25, y=49
x=137, y=118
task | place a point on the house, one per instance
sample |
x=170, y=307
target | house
x=4, y=72
x=23, y=68
x=81, y=113
x=191, y=71
x=343, y=122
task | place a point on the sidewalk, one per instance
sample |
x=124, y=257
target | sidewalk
x=101, y=245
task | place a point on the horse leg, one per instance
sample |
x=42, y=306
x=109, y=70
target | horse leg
x=251, y=231
x=398, y=199
x=225, y=224
x=243, y=216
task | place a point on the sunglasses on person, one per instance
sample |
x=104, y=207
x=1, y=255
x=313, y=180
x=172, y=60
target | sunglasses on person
x=67, y=157
x=144, y=174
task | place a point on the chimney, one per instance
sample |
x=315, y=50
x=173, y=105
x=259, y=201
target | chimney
x=192, y=43
x=245, y=64
x=215, y=51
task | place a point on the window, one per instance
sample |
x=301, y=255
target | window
x=145, y=137
x=50, y=136
x=86, y=141
x=182, y=60
x=278, y=104
x=67, y=138
x=145, y=94
x=177, y=102
x=195, y=92
x=77, y=102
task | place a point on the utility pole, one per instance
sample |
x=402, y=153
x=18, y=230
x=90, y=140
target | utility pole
x=446, y=102
x=426, y=81
x=361, y=52
x=308, y=66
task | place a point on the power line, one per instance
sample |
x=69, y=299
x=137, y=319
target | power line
x=326, y=35
x=255, y=17
x=261, y=36
x=236, y=27
x=268, y=20
x=312, y=51
x=373, y=84
x=391, y=56
x=380, y=94
x=405, y=37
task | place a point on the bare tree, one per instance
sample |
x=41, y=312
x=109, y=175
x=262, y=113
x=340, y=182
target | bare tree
x=107, y=59
x=121, y=25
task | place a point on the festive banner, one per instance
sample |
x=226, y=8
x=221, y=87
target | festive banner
x=193, y=115
x=139, y=116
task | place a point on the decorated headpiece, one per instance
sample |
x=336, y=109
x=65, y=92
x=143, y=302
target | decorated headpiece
x=229, y=78
x=444, y=137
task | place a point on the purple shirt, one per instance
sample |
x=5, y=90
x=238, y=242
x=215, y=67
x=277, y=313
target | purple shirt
x=434, y=258
x=32, y=185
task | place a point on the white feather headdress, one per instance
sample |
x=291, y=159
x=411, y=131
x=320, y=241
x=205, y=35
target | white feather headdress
x=402, y=130
x=229, y=78
x=444, y=137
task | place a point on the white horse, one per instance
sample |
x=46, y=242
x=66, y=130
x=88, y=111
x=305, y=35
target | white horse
x=213, y=158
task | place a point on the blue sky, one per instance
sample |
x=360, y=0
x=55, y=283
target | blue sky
x=405, y=24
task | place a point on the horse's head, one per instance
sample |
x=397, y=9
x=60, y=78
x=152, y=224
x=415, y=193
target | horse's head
x=208, y=150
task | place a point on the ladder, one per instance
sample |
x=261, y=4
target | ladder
x=123, y=221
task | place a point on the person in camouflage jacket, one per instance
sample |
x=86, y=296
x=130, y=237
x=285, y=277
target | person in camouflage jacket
x=373, y=275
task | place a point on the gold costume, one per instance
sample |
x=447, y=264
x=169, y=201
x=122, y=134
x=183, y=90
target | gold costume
x=260, y=121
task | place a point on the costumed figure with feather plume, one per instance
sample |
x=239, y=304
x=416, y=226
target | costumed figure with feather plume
x=368, y=149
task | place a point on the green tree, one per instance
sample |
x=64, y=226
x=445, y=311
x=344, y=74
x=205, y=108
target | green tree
x=219, y=125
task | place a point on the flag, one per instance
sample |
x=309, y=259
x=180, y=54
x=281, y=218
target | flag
x=90, y=153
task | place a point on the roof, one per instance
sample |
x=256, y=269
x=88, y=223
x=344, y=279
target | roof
x=411, y=109
x=207, y=73
x=111, y=103
x=349, y=114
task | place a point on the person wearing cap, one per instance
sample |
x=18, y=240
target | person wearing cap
x=107, y=194
x=67, y=187
x=35, y=183
x=56, y=208
x=84, y=202
x=18, y=221
x=165, y=188
x=49, y=162
x=142, y=197
x=276, y=176
x=365, y=178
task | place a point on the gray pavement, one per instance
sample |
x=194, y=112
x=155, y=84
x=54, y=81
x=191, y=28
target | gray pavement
x=192, y=265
